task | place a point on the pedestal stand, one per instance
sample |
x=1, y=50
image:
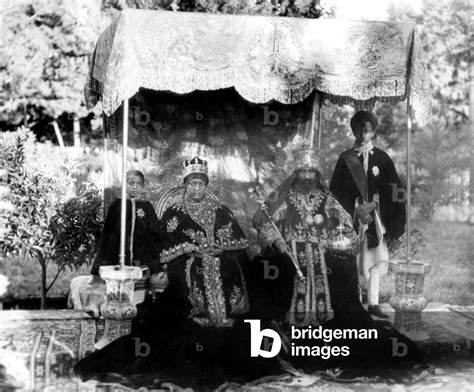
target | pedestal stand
x=408, y=300
x=119, y=308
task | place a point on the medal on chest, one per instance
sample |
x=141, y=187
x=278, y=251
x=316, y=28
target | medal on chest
x=307, y=206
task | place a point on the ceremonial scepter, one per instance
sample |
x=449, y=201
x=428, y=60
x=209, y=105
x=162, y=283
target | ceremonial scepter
x=287, y=252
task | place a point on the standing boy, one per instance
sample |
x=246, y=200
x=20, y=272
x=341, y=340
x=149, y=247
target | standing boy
x=367, y=185
x=142, y=228
x=141, y=247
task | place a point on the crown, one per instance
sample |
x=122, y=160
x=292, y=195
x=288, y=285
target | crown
x=307, y=158
x=195, y=165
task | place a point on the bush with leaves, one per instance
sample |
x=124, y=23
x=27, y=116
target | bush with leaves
x=76, y=226
x=48, y=224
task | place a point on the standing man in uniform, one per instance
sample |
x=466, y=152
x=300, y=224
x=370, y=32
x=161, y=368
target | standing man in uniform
x=367, y=185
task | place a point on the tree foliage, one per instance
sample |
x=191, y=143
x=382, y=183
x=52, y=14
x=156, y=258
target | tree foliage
x=441, y=153
x=294, y=8
x=76, y=226
x=48, y=223
x=44, y=60
x=448, y=42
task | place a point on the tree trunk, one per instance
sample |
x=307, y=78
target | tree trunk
x=57, y=131
x=44, y=300
x=76, y=132
x=471, y=122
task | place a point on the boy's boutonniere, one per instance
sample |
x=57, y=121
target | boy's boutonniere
x=140, y=213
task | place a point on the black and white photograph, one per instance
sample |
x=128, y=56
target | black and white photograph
x=236, y=195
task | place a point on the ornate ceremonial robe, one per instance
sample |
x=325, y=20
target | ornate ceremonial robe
x=212, y=290
x=307, y=222
x=201, y=307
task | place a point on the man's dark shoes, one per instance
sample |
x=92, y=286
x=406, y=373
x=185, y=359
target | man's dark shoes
x=375, y=310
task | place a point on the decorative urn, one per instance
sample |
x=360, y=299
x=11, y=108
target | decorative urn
x=119, y=309
x=408, y=299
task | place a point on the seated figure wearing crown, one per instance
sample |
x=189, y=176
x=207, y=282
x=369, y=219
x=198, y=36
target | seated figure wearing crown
x=195, y=335
x=203, y=250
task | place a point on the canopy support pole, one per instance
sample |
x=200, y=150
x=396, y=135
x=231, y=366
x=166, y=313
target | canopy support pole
x=408, y=300
x=123, y=216
x=320, y=118
x=105, y=173
x=120, y=281
x=317, y=104
x=119, y=304
x=409, y=128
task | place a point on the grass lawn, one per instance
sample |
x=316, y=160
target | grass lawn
x=450, y=250
x=24, y=275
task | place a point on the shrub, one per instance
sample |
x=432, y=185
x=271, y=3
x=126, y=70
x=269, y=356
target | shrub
x=49, y=224
x=76, y=226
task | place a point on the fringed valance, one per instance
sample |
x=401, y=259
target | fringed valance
x=263, y=58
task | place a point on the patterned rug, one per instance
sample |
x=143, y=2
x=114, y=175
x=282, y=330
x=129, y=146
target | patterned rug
x=38, y=350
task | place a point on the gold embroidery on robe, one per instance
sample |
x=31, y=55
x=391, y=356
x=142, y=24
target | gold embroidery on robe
x=203, y=213
x=172, y=224
x=198, y=236
x=214, y=292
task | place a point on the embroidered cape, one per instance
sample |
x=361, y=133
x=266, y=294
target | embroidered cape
x=189, y=226
x=214, y=287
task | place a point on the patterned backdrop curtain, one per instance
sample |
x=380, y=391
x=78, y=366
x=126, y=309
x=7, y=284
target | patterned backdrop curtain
x=244, y=143
x=239, y=91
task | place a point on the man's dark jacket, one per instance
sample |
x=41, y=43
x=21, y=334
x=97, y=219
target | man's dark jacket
x=146, y=237
x=382, y=178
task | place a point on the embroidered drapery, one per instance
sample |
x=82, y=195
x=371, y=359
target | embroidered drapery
x=263, y=58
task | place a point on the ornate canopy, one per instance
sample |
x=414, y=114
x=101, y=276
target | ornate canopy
x=263, y=58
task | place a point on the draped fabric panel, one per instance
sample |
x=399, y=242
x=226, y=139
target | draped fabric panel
x=243, y=143
x=264, y=58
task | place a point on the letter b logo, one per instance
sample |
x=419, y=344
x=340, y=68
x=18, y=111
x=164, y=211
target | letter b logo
x=396, y=191
x=138, y=348
x=256, y=338
x=270, y=117
x=270, y=271
x=396, y=345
